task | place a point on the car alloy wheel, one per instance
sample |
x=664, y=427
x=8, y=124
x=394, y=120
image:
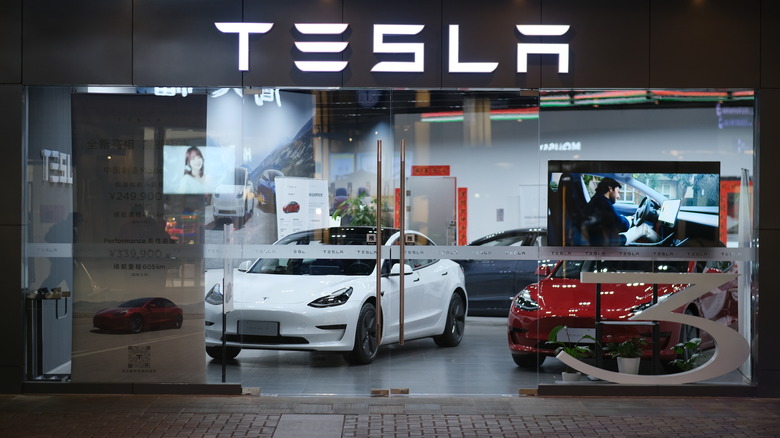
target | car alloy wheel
x=216, y=352
x=136, y=323
x=366, y=342
x=456, y=323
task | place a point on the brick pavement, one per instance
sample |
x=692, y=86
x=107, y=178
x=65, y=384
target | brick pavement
x=164, y=416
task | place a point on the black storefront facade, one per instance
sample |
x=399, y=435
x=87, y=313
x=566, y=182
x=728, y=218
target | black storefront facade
x=68, y=58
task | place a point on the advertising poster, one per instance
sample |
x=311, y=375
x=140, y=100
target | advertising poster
x=302, y=204
x=138, y=294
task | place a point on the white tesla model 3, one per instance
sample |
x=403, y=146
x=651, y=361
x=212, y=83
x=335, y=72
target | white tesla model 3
x=320, y=304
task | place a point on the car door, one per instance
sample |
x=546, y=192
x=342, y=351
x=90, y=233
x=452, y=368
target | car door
x=491, y=284
x=421, y=292
x=390, y=293
x=428, y=290
x=156, y=311
x=414, y=296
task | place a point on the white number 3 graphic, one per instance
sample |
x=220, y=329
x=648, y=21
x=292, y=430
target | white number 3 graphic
x=731, y=349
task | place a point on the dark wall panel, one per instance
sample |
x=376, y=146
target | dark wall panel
x=11, y=41
x=11, y=234
x=11, y=107
x=488, y=34
x=770, y=44
x=176, y=43
x=272, y=55
x=712, y=43
x=77, y=42
x=609, y=41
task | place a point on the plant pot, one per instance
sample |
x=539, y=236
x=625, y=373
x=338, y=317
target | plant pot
x=628, y=365
x=570, y=377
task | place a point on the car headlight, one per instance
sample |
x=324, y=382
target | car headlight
x=214, y=296
x=335, y=299
x=523, y=301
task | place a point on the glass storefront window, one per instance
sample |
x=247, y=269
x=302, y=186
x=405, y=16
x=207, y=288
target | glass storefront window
x=149, y=213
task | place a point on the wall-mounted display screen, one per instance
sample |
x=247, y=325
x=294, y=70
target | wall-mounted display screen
x=192, y=169
x=617, y=203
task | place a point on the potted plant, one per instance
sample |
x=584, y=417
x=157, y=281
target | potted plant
x=356, y=212
x=573, y=349
x=688, y=353
x=628, y=354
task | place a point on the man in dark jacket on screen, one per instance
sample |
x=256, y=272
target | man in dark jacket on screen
x=604, y=226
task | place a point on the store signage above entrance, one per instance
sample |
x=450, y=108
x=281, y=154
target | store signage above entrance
x=416, y=50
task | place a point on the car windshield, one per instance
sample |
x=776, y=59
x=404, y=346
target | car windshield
x=239, y=177
x=328, y=236
x=515, y=239
x=571, y=268
x=512, y=238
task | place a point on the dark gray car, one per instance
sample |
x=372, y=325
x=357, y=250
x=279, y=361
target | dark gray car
x=492, y=284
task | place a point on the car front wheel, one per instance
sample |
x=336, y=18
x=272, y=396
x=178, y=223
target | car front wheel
x=216, y=352
x=366, y=341
x=136, y=323
x=530, y=360
x=456, y=323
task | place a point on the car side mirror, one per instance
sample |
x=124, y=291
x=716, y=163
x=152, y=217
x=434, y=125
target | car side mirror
x=396, y=269
x=543, y=271
x=244, y=266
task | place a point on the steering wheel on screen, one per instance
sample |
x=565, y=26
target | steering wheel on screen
x=646, y=210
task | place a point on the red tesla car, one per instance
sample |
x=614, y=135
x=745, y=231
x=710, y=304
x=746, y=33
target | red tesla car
x=291, y=207
x=139, y=314
x=561, y=299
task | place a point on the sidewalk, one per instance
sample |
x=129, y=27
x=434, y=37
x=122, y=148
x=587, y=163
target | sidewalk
x=119, y=416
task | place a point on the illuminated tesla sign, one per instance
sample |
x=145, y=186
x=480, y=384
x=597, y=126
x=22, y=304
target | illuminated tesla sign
x=415, y=49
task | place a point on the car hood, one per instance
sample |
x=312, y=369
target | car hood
x=562, y=294
x=228, y=190
x=277, y=289
x=570, y=296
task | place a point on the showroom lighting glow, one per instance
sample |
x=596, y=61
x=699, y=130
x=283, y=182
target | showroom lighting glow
x=558, y=99
x=502, y=114
x=627, y=97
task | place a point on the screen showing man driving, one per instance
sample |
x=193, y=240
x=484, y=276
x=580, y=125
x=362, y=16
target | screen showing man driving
x=624, y=203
